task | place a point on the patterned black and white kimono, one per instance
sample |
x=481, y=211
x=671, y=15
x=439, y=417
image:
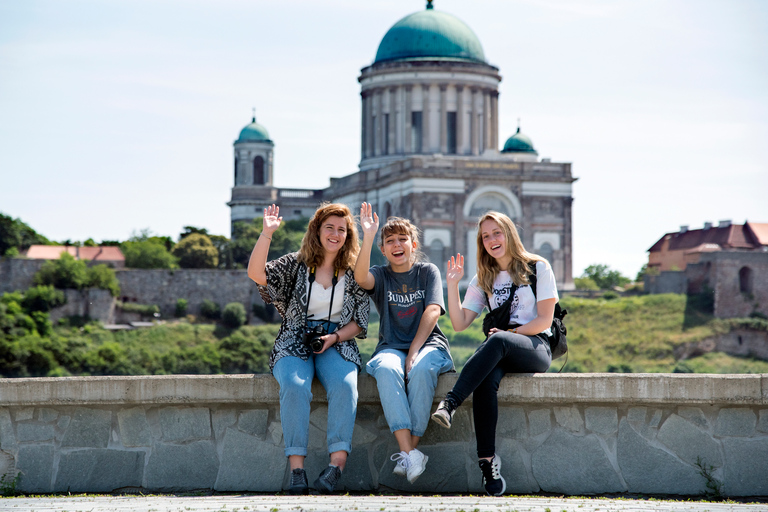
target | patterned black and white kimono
x=291, y=303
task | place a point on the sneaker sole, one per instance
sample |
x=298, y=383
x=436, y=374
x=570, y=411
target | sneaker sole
x=440, y=420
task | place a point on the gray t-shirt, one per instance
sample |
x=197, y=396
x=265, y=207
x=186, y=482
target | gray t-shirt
x=401, y=298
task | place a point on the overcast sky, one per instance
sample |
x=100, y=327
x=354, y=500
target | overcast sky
x=119, y=115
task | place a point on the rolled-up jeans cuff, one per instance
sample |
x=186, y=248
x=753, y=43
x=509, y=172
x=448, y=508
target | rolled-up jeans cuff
x=296, y=450
x=339, y=447
x=402, y=426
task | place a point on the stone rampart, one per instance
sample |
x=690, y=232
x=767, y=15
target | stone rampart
x=569, y=434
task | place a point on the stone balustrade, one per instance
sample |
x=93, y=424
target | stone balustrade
x=569, y=434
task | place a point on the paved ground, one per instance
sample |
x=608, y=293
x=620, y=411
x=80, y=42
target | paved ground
x=367, y=503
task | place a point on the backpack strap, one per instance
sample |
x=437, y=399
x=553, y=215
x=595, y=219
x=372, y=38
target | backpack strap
x=532, y=277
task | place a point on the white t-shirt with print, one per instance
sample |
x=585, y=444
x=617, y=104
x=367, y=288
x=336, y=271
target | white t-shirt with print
x=523, y=308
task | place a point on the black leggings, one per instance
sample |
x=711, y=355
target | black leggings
x=502, y=353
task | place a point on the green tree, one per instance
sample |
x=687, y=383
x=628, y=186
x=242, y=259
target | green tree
x=14, y=234
x=604, y=277
x=103, y=277
x=585, y=283
x=196, y=251
x=149, y=253
x=43, y=298
x=69, y=273
x=191, y=230
x=285, y=240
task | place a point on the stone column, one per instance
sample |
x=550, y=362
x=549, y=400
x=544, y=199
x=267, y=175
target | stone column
x=378, y=120
x=391, y=142
x=363, y=139
x=443, y=119
x=407, y=120
x=495, y=120
x=487, y=121
x=369, y=128
x=460, y=120
x=425, y=124
x=474, y=125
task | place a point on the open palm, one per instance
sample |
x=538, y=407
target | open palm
x=455, y=269
x=369, y=220
x=272, y=219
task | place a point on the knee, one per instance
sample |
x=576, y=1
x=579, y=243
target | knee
x=295, y=389
x=423, y=374
x=388, y=372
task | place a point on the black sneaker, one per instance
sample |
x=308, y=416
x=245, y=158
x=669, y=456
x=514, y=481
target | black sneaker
x=329, y=477
x=444, y=413
x=299, y=482
x=494, y=482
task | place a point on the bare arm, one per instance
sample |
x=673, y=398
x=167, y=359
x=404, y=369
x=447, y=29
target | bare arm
x=370, y=223
x=545, y=311
x=257, y=264
x=426, y=325
x=461, y=318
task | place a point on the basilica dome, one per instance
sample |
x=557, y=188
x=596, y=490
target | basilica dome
x=254, y=132
x=518, y=143
x=430, y=34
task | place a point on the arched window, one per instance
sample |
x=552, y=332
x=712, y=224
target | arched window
x=488, y=202
x=236, y=162
x=258, y=171
x=437, y=253
x=745, y=280
x=546, y=251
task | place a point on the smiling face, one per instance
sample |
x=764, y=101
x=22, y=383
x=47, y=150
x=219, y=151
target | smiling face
x=495, y=242
x=399, y=249
x=333, y=234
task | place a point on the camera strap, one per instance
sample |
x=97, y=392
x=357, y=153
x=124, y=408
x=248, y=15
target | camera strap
x=334, y=282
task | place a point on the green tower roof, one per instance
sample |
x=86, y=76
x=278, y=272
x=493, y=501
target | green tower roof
x=430, y=34
x=254, y=132
x=518, y=143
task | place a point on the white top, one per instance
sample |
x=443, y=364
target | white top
x=320, y=297
x=523, y=308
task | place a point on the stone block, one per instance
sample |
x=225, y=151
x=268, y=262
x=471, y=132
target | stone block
x=694, y=415
x=134, y=427
x=185, y=423
x=319, y=417
x=88, y=428
x=358, y=474
x=443, y=473
x=275, y=433
x=460, y=431
x=601, y=420
x=737, y=422
x=539, y=422
x=63, y=423
x=746, y=467
x=571, y=464
x=35, y=463
x=84, y=470
x=249, y=464
x=650, y=470
x=655, y=420
x=689, y=442
x=25, y=414
x=516, y=474
x=317, y=438
x=512, y=423
x=363, y=435
x=45, y=414
x=569, y=418
x=222, y=419
x=182, y=467
x=7, y=435
x=636, y=416
x=254, y=422
x=762, y=423
x=29, y=432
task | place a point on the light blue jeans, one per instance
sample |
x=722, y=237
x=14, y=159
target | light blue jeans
x=408, y=406
x=339, y=378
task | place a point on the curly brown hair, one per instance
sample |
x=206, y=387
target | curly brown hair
x=312, y=253
x=487, y=266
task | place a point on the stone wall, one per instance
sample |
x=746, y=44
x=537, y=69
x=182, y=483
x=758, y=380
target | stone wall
x=570, y=434
x=730, y=300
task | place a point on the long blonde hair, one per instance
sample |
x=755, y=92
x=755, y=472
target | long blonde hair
x=312, y=253
x=488, y=268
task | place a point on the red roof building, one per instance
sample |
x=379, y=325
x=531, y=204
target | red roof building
x=108, y=254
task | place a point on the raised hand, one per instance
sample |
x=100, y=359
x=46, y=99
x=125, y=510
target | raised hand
x=455, y=269
x=369, y=220
x=272, y=219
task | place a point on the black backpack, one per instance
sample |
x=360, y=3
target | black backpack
x=557, y=341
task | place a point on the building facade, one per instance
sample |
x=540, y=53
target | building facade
x=430, y=151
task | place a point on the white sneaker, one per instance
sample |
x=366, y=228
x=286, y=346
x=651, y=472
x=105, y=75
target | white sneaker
x=401, y=468
x=417, y=463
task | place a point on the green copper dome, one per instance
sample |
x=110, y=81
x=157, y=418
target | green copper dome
x=518, y=143
x=254, y=132
x=430, y=34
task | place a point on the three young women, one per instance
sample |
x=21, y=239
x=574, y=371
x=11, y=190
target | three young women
x=412, y=351
x=314, y=290
x=503, y=271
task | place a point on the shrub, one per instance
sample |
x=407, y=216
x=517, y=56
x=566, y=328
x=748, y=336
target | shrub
x=149, y=253
x=585, y=283
x=103, y=277
x=210, y=310
x=69, y=273
x=610, y=295
x=181, y=308
x=233, y=315
x=196, y=251
x=142, y=309
x=43, y=298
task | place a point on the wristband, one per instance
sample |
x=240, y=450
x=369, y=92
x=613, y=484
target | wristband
x=338, y=338
x=265, y=236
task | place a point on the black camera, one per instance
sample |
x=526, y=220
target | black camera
x=312, y=337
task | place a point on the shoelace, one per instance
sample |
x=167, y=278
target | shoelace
x=402, y=460
x=332, y=475
x=297, y=477
x=490, y=469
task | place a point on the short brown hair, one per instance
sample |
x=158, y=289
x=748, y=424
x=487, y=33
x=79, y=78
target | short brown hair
x=401, y=226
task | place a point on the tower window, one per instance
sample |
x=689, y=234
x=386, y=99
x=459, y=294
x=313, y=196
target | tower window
x=385, y=146
x=258, y=171
x=416, y=132
x=236, y=170
x=745, y=280
x=451, y=132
